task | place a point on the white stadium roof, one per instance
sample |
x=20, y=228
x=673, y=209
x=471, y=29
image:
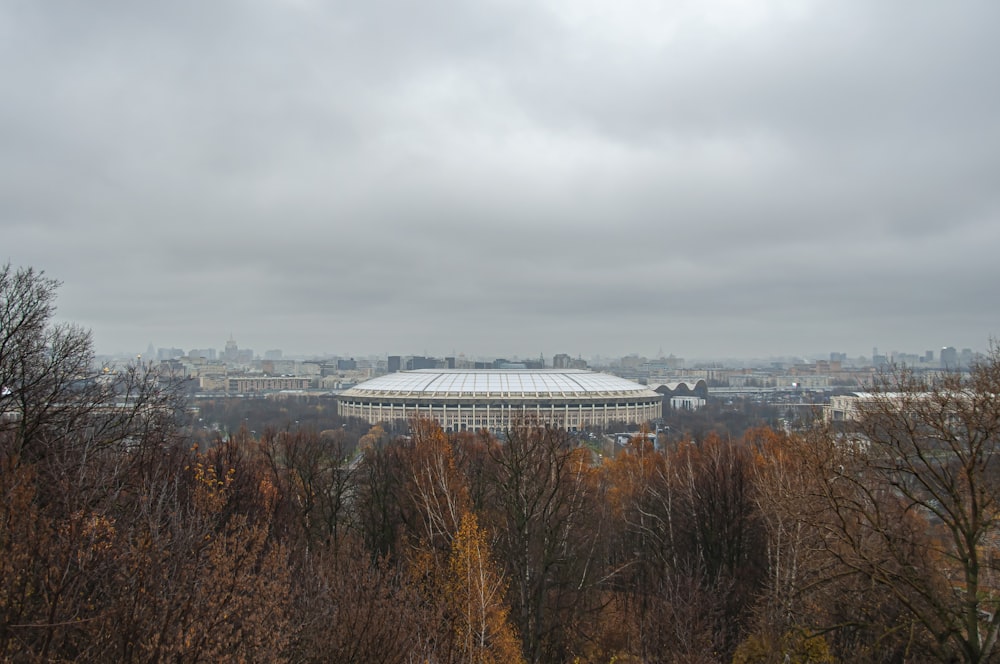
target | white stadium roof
x=499, y=384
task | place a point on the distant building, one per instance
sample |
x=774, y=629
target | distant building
x=690, y=394
x=308, y=369
x=248, y=384
x=394, y=363
x=215, y=369
x=802, y=382
x=949, y=358
x=686, y=403
x=855, y=406
x=561, y=361
x=564, y=361
x=538, y=363
x=418, y=362
x=231, y=352
x=845, y=407
x=212, y=383
x=278, y=367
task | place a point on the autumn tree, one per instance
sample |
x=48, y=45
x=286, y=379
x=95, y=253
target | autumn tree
x=476, y=594
x=633, y=476
x=810, y=599
x=548, y=521
x=200, y=580
x=118, y=542
x=435, y=494
x=916, y=504
x=55, y=407
x=787, y=505
x=350, y=608
x=314, y=478
x=76, y=444
x=690, y=547
x=377, y=503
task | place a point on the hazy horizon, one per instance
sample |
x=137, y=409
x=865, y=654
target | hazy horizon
x=522, y=356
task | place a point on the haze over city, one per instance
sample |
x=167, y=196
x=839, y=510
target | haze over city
x=713, y=179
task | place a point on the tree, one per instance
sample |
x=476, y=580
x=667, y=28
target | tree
x=313, y=477
x=692, y=539
x=77, y=445
x=352, y=609
x=380, y=476
x=548, y=518
x=786, y=502
x=118, y=542
x=476, y=594
x=810, y=595
x=197, y=579
x=915, y=504
x=435, y=490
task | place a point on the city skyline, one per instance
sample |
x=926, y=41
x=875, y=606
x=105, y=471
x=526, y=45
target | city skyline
x=734, y=179
x=928, y=357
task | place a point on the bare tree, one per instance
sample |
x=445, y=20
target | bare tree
x=435, y=488
x=313, y=477
x=915, y=500
x=812, y=600
x=693, y=538
x=548, y=521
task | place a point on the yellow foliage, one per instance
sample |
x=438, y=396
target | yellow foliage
x=793, y=648
x=476, y=590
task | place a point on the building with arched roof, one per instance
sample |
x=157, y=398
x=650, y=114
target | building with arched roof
x=682, y=388
x=465, y=399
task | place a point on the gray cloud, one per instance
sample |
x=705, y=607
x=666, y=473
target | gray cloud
x=715, y=178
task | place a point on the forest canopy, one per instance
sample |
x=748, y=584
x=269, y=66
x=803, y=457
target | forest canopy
x=125, y=537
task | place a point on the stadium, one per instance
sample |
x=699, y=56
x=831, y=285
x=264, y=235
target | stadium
x=469, y=400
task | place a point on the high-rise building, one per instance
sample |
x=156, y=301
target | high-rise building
x=164, y=354
x=949, y=357
x=231, y=353
x=420, y=362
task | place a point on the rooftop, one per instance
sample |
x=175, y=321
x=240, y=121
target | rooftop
x=500, y=383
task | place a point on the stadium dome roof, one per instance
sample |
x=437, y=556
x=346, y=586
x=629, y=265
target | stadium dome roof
x=500, y=384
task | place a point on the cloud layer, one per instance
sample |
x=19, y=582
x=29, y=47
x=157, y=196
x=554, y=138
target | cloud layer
x=714, y=178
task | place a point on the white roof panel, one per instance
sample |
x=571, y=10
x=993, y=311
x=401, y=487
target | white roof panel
x=500, y=383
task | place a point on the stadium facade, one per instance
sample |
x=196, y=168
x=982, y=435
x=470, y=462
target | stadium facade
x=469, y=400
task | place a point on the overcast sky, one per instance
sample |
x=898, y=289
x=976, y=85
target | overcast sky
x=508, y=177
